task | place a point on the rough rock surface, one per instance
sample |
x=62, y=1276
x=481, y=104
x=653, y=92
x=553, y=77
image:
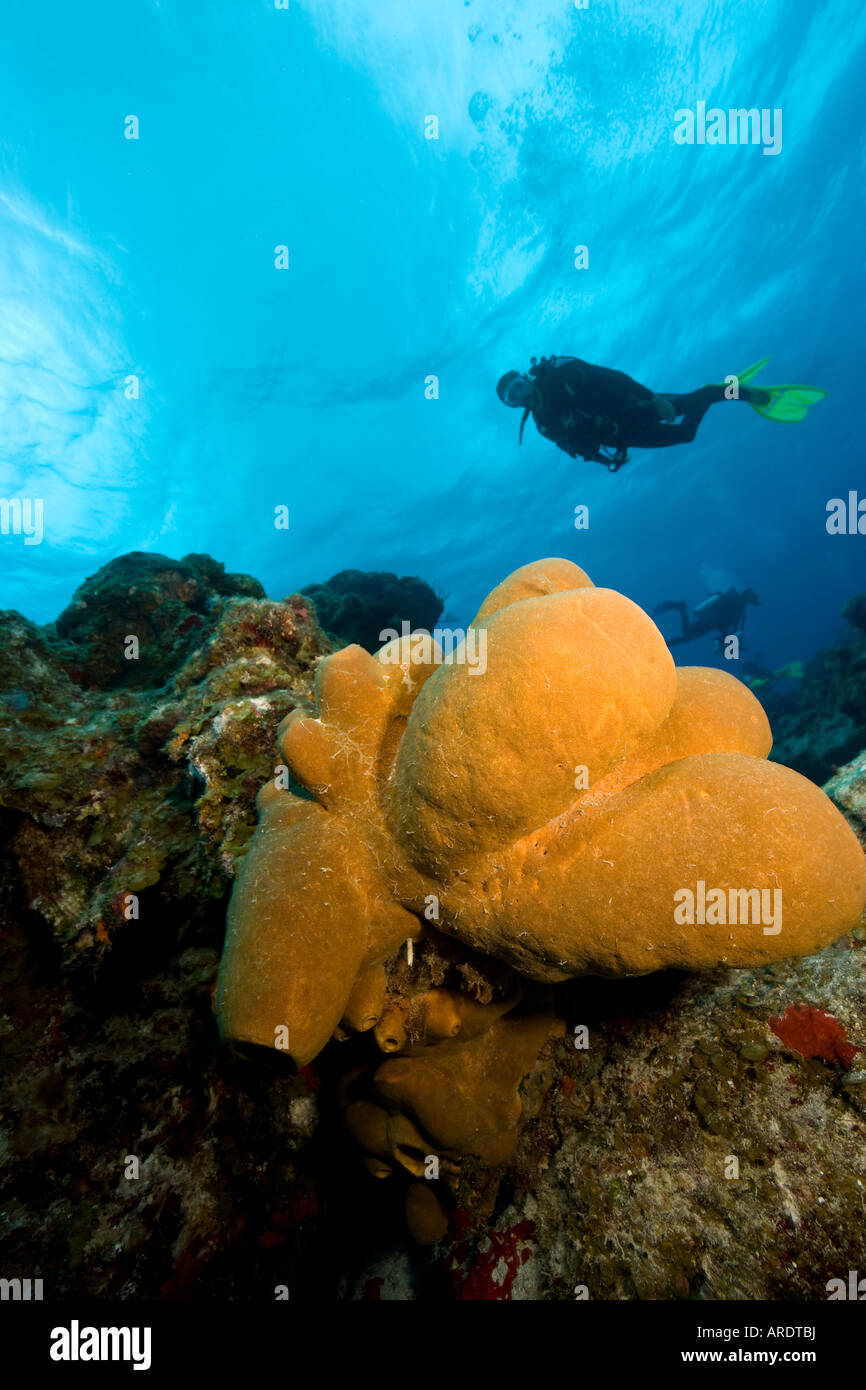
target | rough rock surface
x=357, y=605
x=820, y=724
x=143, y=783
x=848, y=790
x=138, y=777
x=855, y=611
x=619, y=1183
x=626, y=1186
x=167, y=604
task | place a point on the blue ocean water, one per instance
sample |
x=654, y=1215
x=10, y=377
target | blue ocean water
x=411, y=257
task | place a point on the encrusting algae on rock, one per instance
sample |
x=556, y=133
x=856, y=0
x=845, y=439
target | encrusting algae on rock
x=545, y=813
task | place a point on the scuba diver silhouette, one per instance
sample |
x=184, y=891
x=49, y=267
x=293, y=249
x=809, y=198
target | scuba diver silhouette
x=600, y=414
x=724, y=613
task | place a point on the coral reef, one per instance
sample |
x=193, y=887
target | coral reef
x=138, y=773
x=687, y=1150
x=619, y=1178
x=166, y=604
x=855, y=612
x=821, y=724
x=356, y=606
x=422, y=801
x=127, y=789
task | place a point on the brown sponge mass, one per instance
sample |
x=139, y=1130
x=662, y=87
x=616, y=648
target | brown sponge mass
x=545, y=796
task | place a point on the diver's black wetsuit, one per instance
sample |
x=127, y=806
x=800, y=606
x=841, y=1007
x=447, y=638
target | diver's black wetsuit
x=648, y=432
x=586, y=407
x=722, y=613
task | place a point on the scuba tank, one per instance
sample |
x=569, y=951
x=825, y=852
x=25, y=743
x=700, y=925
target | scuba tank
x=612, y=456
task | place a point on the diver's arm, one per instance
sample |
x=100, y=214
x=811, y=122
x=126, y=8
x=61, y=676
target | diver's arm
x=566, y=446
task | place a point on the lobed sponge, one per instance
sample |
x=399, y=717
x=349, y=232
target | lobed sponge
x=547, y=809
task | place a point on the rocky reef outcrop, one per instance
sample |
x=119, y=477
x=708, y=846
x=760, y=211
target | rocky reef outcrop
x=819, y=723
x=132, y=739
x=167, y=605
x=358, y=605
x=128, y=775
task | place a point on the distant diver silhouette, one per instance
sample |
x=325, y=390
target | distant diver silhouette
x=599, y=414
x=722, y=613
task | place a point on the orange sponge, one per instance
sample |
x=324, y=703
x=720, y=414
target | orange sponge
x=570, y=804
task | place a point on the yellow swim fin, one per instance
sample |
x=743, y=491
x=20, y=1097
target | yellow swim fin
x=786, y=404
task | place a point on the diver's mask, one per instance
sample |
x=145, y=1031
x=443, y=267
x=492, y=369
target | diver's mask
x=519, y=391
